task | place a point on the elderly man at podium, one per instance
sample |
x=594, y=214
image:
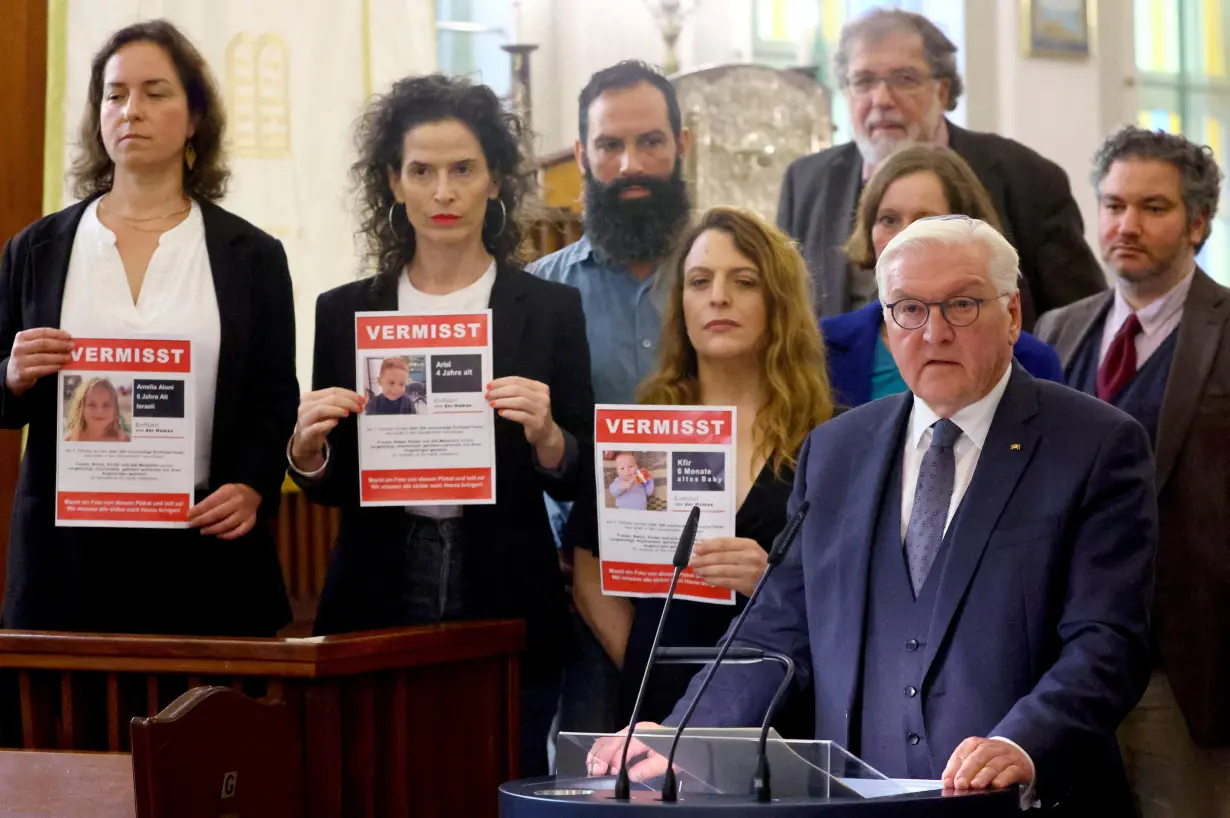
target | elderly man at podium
x=970, y=590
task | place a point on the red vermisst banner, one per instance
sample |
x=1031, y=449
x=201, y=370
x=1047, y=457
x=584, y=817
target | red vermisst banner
x=130, y=355
x=123, y=507
x=700, y=426
x=639, y=578
x=421, y=485
x=398, y=331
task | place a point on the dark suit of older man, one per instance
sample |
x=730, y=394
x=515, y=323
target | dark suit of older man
x=1031, y=196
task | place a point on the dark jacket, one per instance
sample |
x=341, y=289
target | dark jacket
x=509, y=563
x=157, y=580
x=1030, y=193
x=1191, y=610
x=1039, y=629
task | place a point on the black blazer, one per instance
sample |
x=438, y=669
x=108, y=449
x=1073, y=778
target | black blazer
x=1031, y=195
x=509, y=562
x=157, y=580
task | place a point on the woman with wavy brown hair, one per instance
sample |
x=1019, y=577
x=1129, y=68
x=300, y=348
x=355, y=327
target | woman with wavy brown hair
x=148, y=252
x=738, y=330
x=914, y=183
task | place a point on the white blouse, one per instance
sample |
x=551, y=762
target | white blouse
x=177, y=299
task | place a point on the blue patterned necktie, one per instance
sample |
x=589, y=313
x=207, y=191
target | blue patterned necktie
x=929, y=514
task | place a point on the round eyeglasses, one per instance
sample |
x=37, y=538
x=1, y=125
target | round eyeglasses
x=959, y=311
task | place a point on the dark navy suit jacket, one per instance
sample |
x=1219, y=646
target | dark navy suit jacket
x=850, y=343
x=1040, y=630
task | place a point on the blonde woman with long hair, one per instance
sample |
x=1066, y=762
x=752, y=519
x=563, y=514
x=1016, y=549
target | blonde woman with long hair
x=94, y=414
x=738, y=330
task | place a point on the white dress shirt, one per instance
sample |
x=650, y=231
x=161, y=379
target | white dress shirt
x=177, y=299
x=975, y=423
x=470, y=298
x=1157, y=320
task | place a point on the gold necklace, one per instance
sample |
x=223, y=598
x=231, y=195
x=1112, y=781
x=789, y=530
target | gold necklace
x=135, y=223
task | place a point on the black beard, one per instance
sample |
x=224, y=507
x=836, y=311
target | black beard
x=630, y=231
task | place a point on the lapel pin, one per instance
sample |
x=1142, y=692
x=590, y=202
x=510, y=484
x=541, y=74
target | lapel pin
x=1015, y=447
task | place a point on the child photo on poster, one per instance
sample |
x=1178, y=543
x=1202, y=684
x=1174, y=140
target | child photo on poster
x=125, y=450
x=655, y=463
x=427, y=435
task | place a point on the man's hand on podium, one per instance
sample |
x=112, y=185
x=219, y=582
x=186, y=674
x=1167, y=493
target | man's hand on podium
x=978, y=763
x=644, y=763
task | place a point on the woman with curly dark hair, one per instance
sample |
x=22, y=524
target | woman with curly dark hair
x=148, y=252
x=439, y=178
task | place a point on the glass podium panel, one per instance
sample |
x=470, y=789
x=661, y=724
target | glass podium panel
x=724, y=761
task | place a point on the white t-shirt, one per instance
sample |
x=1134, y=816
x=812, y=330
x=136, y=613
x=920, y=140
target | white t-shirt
x=476, y=296
x=177, y=298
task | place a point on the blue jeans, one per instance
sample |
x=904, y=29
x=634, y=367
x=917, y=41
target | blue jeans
x=432, y=591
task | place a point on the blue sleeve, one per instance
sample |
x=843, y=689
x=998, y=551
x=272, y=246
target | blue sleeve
x=1038, y=358
x=739, y=695
x=1103, y=662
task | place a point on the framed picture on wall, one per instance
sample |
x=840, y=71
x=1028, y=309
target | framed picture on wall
x=1057, y=28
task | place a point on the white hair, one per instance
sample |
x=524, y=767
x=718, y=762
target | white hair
x=1003, y=263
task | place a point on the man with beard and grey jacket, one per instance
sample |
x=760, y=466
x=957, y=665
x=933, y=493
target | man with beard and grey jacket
x=630, y=150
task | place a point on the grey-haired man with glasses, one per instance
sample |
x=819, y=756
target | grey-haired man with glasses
x=898, y=74
x=969, y=594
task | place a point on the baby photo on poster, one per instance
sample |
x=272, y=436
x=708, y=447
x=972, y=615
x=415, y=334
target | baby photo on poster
x=635, y=480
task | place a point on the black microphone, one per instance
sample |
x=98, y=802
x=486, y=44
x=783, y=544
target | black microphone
x=683, y=553
x=670, y=785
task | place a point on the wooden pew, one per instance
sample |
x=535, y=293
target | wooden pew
x=409, y=721
x=214, y=752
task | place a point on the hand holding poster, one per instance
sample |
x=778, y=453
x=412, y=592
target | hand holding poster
x=653, y=464
x=427, y=436
x=125, y=434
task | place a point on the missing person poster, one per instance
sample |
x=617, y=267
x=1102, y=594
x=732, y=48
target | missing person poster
x=427, y=436
x=125, y=433
x=653, y=463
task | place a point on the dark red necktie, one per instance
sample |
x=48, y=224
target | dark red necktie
x=1119, y=367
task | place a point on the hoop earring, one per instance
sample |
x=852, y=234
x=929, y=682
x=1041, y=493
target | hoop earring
x=503, y=218
x=392, y=229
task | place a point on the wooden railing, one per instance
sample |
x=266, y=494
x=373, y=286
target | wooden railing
x=386, y=714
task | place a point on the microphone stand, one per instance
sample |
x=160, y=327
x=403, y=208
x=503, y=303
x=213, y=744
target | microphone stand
x=741, y=655
x=683, y=552
x=670, y=784
x=760, y=781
